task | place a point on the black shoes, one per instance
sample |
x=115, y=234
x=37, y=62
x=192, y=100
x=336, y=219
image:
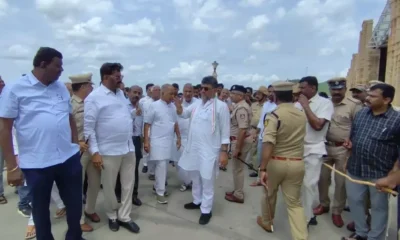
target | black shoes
x=136, y=201
x=191, y=206
x=205, y=218
x=145, y=169
x=131, y=226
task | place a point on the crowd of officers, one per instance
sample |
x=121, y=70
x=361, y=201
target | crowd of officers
x=282, y=165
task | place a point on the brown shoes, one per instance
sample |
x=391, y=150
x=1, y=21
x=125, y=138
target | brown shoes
x=93, y=217
x=86, y=228
x=320, y=210
x=337, y=220
x=266, y=227
x=229, y=196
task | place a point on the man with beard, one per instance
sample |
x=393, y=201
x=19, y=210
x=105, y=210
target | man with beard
x=162, y=119
x=143, y=105
x=359, y=92
x=39, y=106
x=134, y=94
x=82, y=86
x=207, y=145
x=268, y=107
x=345, y=109
x=109, y=128
x=261, y=96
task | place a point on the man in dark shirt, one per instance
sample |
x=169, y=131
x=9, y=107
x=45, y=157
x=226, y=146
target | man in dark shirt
x=374, y=141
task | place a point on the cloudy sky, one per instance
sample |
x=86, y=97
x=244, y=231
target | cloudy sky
x=254, y=41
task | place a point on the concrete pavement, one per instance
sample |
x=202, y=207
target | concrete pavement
x=172, y=221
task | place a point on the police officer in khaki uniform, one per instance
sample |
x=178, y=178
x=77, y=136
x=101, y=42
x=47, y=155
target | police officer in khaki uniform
x=81, y=87
x=261, y=96
x=282, y=161
x=345, y=109
x=296, y=92
x=359, y=92
x=240, y=141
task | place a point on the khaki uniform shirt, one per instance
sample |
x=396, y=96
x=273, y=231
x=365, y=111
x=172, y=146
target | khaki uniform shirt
x=285, y=128
x=256, y=109
x=77, y=112
x=342, y=119
x=240, y=118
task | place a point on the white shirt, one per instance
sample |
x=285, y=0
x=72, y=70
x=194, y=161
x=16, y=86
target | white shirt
x=267, y=108
x=108, y=122
x=15, y=143
x=41, y=118
x=314, y=141
x=137, y=123
x=162, y=117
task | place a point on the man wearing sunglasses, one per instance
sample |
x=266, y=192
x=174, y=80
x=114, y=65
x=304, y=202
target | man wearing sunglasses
x=207, y=145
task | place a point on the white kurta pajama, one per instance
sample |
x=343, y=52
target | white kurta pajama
x=144, y=104
x=209, y=129
x=184, y=130
x=162, y=118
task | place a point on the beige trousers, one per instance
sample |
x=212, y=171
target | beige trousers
x=289, y=176
x=125, y=165
x=336, y=156
x=93, y=180
x=238, y=169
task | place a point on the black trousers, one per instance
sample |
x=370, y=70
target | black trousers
x=68, y=177
x=137, y=142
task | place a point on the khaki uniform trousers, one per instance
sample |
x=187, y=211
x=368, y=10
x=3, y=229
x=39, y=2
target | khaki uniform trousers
x=251, y=155
x=238, y=169
x=289, y=176
x=94, y=181
x=336, y=156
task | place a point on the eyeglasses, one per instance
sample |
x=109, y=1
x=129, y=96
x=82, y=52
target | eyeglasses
x=205, y=89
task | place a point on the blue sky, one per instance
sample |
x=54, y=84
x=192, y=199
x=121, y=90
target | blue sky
x=256, y=42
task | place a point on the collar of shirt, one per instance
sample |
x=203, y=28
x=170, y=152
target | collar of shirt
x=386, y=114
x=315, y=98
x=108, y=91
x=34, y=81
x=76, y=98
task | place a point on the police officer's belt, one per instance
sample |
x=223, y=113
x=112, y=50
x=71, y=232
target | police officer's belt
x=285, y=158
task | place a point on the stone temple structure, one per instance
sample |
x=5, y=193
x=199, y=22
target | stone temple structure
x=378, y=56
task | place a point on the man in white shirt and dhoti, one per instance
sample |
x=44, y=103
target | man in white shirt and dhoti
x=207, y=145
x=161, y=118
x=108, y=124
x=183, y=124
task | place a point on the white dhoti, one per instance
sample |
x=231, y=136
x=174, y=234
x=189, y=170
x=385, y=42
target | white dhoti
x=159, y=157
x=310, y=193
x=182, y=174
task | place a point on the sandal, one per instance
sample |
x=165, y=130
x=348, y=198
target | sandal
x=3, y=200
x=60, y=213
x=354, y=237
x=30, y=232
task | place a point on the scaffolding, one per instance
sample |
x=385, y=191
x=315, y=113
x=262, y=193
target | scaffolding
x=381, y=31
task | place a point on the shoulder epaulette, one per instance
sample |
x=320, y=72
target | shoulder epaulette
x=275, y=115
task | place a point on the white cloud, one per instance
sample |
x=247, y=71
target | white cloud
x=250, y=59
x=266, y=46
x=18, y=52
x=136, y=68
x=326, y=51
x=199, y=25
x=251, y=3
x=257, y=22
x=190, y=71
x=164, y=49
x=237, y=33
x=202, y=9
x=4, y=7
x=250, y=79
x=280, y=12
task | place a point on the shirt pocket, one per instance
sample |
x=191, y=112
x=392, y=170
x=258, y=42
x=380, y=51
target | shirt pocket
x=383, y=135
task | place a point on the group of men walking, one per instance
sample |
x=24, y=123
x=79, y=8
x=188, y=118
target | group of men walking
x=100, y=134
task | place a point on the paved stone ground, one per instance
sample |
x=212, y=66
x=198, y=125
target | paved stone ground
x=171, y=221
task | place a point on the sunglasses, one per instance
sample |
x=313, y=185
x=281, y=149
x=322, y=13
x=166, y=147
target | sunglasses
x=205, y=89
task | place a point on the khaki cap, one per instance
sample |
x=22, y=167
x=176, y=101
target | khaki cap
x=81, y=78
x=359, y=87
x=282, y=86
x=337, y=83
x=296, y=88
x=263, y=90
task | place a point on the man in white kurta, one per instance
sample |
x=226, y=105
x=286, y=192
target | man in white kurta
x=108, y=124
x=162, y=120
x=183, y=124
x=207, y=143
x=142, y=106
x=155, y=96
